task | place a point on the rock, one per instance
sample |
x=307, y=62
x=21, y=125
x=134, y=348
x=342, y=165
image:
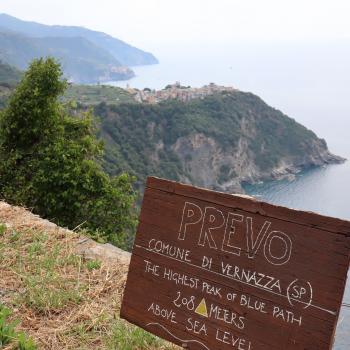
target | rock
x=48, y=224
x=92, y=250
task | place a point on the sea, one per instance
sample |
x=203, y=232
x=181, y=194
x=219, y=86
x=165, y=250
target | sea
x=309, y=82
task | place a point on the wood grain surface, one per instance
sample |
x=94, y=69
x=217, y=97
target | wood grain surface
x=216, y=271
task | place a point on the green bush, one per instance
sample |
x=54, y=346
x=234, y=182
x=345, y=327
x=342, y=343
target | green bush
x=49, y=160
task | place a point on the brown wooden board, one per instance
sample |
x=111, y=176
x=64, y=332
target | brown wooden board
x=216, y=271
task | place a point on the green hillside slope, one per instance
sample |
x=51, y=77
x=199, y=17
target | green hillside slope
x=91, y=95
x=219, y=142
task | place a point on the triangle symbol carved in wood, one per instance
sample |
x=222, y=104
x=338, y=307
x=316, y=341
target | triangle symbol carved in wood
x=202, y=308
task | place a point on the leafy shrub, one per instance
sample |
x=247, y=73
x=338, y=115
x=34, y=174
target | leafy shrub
x=49, y=160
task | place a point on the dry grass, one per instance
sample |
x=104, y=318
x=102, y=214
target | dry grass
x=62, y=301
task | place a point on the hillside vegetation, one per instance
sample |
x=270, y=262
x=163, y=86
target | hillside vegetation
x=84, y=96
x=220, y=142
x=91, y=95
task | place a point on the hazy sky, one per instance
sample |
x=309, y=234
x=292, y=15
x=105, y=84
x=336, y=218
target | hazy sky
x=150, y=23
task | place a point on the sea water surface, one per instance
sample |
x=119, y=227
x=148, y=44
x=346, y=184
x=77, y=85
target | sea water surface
x=309, y=82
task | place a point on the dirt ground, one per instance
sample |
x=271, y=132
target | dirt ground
x=63, y=300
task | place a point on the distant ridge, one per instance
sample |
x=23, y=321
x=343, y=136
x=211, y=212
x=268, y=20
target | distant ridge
x=126, y=54
x=87, y=56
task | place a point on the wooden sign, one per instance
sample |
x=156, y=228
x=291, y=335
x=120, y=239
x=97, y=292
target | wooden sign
x=216, y=271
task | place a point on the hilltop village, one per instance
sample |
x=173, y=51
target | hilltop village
x=176, y=91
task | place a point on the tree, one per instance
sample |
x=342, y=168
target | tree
x=49, y=160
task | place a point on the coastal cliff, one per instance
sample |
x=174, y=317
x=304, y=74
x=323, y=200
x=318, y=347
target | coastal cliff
x=219, y=141
x=227, y=169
